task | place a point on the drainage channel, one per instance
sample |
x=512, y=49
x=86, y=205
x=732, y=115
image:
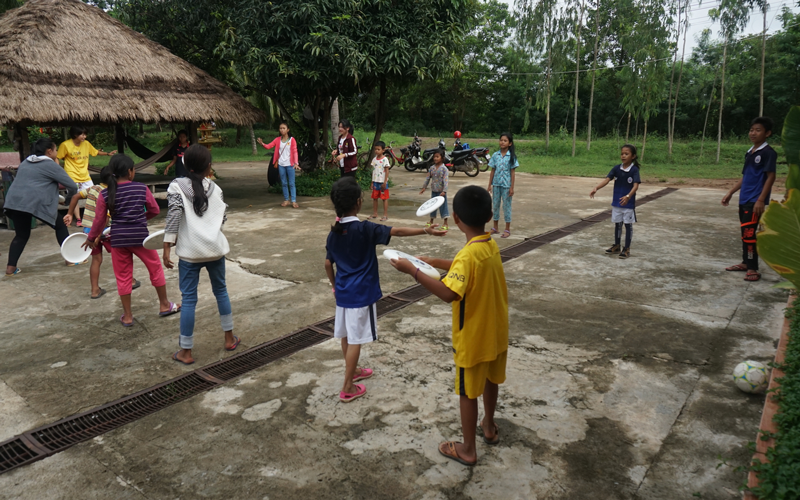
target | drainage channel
x=56, y=437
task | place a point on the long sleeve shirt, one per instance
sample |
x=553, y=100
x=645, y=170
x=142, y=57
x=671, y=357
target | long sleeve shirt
x=437, y=177
x=134, y=206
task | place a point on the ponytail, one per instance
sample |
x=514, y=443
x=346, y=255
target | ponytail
x=345, y=194
x=197, y=160
x=120, y=167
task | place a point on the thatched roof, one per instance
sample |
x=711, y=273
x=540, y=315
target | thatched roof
x=62, y=61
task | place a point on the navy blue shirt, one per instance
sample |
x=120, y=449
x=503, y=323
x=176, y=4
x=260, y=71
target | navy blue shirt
x=353, y=252
x=623, y=183
x=757, y=164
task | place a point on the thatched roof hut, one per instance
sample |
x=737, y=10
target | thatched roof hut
x=64, y=62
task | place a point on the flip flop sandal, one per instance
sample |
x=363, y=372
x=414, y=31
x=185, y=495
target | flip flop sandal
x=136, y=284
x=126, y=325
x=361, y=389
x=285, y=204
x=73, y=264
x=737, y=267
x=493, y=231
x=752, y=277
x=364, y=373
x=236, y=341
x=16, y=271
x=444, y=228
x=175, y=357
x=173, y=308
x=383, y=219
x=453, y=455
x=102, y=292
x=506, y=234
x=373, y=216
x=78, y=223
x=295, y=205
x=490, y=442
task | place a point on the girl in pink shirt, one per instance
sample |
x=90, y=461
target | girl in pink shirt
x=286, y=160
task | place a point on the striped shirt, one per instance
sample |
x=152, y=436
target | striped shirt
x=134, y=206
x=90, y=195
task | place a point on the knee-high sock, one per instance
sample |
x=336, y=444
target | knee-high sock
x=617, y=232
x=628, y=235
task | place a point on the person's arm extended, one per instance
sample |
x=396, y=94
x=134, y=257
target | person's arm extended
x=425, y=184
x=443, y=264
x=625, y=199
x=151, y=204
x=600, y=186
x=72, y=204
x=330, y=273
x=727, y=198
x=413, y=231
x=433, y=285
x=270, y=145
x=760, y=205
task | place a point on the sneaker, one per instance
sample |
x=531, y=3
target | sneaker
x=625, y=253
x=78, y=223
x=613, y=249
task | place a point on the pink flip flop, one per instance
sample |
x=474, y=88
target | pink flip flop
x=361, y=389
x=236, y=341
x=127, y=325
x=173, y=308
x=364, y=373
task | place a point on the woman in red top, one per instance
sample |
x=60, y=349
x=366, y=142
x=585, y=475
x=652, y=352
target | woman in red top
x=347, y=150
x=286, y=160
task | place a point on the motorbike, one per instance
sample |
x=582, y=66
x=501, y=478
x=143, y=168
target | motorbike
x=481, y=154
x=463, y=160
x=423, y=160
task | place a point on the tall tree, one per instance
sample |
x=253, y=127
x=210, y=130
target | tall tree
x=671, y=124
x=578, y=42
x=764, y=6
x=594, y=74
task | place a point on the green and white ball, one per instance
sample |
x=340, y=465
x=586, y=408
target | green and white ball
x=751, y=377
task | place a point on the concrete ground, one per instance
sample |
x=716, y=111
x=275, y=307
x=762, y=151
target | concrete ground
x=618, y=375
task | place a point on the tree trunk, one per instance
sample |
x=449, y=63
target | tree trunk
x=628, y=130
x=335, y=119
x=636, y=130
x=253, y=141
x=721, y=97
x=380, y=118
x=763, y=59
x=594, y=75
x=315, y=120
x=644, y=141
x=238, y=135
x=678, y=88
x=577, y=78
x=326, y=118
x=671, y=80
x=708, y=112
x=119, y=132
x=549, y=77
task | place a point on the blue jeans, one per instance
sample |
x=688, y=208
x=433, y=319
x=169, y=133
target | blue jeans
x=287, y=182
x=189, y=276
x=443, y=211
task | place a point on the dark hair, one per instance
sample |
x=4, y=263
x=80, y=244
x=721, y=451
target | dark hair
x=106, y=175
x=632, y=148
x=182, y=131
x=42, y=145
x=441, y=152
x=120, y=166
x=345, y=194
x=284, y=122
x=511, y=148
x=75, y=131
x=764, y=121
x=473, y=205
x=381, y=144
x=197, y=159
x=345, y=123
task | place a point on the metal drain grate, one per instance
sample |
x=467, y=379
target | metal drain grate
x=14, y=453
x=412, y=293
x=520, y=249
x=390, y=304
x=264, y=354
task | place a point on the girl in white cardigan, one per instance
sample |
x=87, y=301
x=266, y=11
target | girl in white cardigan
x=196, y=214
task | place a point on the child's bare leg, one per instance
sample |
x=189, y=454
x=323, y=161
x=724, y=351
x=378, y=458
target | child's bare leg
x=386, y=208
x=351, y=361
x=374, y=208
x=469, y=424
x=445, y=221
x=489, y=405
x=508, y=227
x=77, y=213
x=495, y=225
x=127, y=314
x=162, y=298
x=94, y=273
x=185, y=355
x=229, y=340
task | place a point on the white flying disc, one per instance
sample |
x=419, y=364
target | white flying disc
x=155, y=241
x=422, y=266
x=61, y=199
x=107, y=231
x=430, y=205
x=71, y=249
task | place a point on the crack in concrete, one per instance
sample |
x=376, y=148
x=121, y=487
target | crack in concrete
x=248, y=271
x=121, y=479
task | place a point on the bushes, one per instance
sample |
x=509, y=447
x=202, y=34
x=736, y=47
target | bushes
x=780, y=477
x=319, y=182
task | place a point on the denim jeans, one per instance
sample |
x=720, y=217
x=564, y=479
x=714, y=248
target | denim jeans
x=287, y=182
x=189, y=276
x=443, y=211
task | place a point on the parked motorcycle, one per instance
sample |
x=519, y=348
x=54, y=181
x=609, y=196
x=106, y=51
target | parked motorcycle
x=481, y=154
x=423, y=161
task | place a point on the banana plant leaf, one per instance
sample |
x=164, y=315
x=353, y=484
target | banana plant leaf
x=785, y=285
x=791, y=146
x=779, y=242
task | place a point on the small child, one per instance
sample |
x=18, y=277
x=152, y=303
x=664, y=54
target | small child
x=380, y=181
x=623, y=203
x=437, y=176
x=501, y=181
x=758, y=176
x=131, y=205
x=177, y=155
x=476, y=286
x=356, y=285
x=196, y=214
x=90, y=195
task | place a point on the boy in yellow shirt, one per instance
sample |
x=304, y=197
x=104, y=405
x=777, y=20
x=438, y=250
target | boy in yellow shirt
x=476, y=286
x=75, y=152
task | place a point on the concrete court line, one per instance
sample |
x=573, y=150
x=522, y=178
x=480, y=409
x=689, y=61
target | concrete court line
x=86, y=434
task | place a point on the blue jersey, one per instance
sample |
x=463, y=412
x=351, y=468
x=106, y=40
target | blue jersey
x=757, y=164
x=353, y=252
x=623, y=183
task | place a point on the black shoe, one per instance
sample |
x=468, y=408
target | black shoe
x=136, y=284
x=625, y=253
x=613, y=249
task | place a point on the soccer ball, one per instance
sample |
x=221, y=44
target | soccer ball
x=751, y=377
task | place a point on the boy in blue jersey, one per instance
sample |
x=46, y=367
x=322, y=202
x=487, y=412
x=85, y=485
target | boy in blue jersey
x=758, y=176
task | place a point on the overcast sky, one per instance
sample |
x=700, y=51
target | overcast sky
x=699, y=20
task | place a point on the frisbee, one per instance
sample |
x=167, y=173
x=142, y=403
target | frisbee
x=61, y=199
x=155, y=241
x=430, y=205
x=422, y=266
x=107, y=231
x=71, y=249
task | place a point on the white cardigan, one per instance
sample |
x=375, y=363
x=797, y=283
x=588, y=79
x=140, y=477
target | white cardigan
x=196, y=238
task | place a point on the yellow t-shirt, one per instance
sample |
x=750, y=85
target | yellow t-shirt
x=76, y=159
x=480, y=316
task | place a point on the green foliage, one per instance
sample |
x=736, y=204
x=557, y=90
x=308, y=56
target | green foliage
x=780, y=476
x=319, y=182
x=791, y=147
x=779, y=242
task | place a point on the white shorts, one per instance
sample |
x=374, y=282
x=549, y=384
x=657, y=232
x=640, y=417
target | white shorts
x=358, y=325
x=84, y=185
x=620, y=214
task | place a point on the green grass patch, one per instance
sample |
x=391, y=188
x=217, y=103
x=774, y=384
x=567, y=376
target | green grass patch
x=780, y=477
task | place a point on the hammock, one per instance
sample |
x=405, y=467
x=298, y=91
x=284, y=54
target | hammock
x=142, y=151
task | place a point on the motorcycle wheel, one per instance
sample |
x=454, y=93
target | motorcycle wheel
x=391, y=161
x=410, y=165
x=475, y=170
x=362, y=159
x=483, y=166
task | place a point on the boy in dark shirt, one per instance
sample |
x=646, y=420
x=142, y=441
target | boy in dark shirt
x=758, y=176
x=177, y=155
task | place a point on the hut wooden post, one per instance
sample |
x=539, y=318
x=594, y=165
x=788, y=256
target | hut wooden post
x=24, y=142
x=193, y=132
x=120, y=133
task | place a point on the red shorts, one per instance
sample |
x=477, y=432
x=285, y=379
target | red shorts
x=378, y=193
x=104, y=243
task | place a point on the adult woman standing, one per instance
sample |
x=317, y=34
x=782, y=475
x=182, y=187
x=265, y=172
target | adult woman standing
x=347, y=150
x=34, y=193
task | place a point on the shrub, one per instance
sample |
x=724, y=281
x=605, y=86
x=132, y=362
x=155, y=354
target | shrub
x=319, y=182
